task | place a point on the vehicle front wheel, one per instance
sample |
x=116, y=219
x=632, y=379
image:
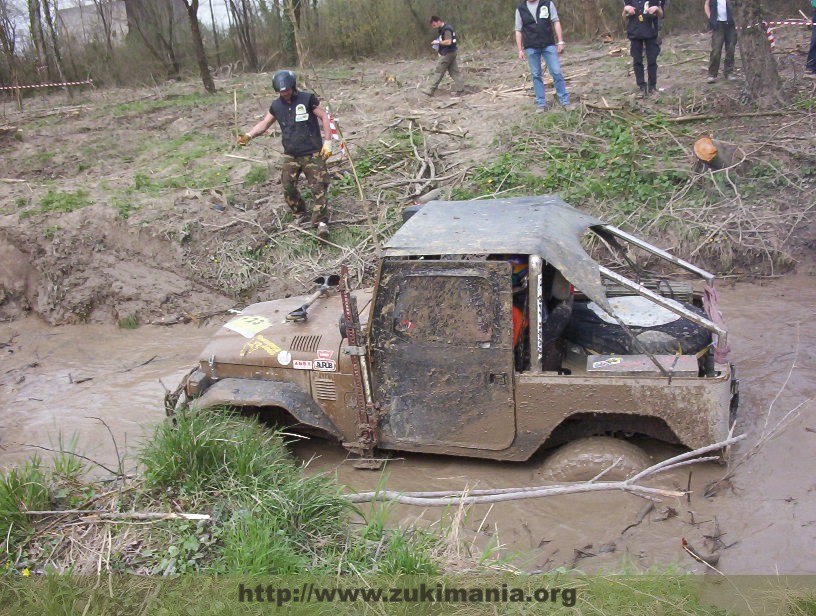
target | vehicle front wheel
x=584, y=458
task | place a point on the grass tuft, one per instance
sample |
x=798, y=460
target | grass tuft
x=23, y=488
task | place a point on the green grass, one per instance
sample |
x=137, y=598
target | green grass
x=59, y=201
x=23, y=488
x=271, y=519
x=131, y=321
x=50, y=231
x=256, y=176
x=180, y=102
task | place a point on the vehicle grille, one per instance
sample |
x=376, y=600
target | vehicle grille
x=304, y=343
x=324, y=389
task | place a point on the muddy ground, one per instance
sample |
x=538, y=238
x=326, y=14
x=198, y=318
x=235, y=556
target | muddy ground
x=160, y=255
x=105, y=385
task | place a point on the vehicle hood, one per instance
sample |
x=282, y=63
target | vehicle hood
x=260, y=335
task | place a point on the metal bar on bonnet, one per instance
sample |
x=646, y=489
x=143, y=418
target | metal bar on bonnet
x=658, y=252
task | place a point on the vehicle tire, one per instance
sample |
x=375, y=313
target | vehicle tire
x=584, y=458
x=658, y=330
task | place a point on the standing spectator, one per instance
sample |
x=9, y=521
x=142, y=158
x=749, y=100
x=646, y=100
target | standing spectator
x=538, y=34
x=811, y=57
x=304, y=151
x=723, y=32
x=643, y=30
x=445, y=46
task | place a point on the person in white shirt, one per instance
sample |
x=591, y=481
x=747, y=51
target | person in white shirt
x=723, y=34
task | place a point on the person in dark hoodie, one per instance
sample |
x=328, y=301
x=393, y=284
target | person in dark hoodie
x=643, y=30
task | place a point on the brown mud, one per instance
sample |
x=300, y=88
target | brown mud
x=762, y=521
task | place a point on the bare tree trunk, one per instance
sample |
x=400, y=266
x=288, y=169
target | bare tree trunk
x=293, y=10
x=36, y=31
x=594, y=20
x=154, y=22
x=55, y=45
x=8, y=42
x=762, y=82
x=198, y=45
x=242, y=19
x=215, y=36
x=104, y=10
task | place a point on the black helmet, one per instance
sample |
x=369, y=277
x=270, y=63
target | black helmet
x=283, y=80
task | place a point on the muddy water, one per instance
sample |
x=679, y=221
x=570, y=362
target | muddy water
x=76, y=380
x=764, y=521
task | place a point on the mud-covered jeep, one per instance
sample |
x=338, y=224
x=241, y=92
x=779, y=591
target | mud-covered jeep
x=489, y=332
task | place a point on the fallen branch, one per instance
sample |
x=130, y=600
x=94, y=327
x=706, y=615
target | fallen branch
x=748, y=114
x=495, y=495
x=252, y=160
x=101, y=515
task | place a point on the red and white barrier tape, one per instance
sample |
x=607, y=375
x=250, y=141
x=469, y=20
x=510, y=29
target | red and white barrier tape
x=770, y=35
x=49, y=85
x=786, y=22
x=790, y=22
x=335, y=135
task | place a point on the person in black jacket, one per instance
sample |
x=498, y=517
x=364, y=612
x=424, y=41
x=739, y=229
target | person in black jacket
x=539, y=36
x=304, y=149
x=723, y=33
x=643, y=31
x=445, y=46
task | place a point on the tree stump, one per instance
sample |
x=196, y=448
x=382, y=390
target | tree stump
x=712, y=154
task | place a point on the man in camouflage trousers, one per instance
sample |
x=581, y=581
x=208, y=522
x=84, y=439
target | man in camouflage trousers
x=305, y=150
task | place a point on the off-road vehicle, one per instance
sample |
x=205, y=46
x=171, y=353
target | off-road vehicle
x=490, y=332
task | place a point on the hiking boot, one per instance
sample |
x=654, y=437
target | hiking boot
x=322, y=230
x=712, y=79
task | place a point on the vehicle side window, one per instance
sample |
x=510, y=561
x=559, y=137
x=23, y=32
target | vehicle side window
x=444, y=309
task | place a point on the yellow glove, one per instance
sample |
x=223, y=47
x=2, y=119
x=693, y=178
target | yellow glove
x=326, y=150
x=244, y=139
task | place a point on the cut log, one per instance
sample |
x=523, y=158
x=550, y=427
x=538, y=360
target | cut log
x=712, y=154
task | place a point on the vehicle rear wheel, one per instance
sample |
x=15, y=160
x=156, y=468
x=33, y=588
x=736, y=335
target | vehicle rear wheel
x=585, y=458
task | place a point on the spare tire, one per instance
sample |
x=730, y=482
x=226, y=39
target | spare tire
x=584, y=458
x=658, y=329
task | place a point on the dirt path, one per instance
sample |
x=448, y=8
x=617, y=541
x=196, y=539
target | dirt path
x=764, y=517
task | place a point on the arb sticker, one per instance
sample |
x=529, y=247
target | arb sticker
x=302, y=364
x=325, y=365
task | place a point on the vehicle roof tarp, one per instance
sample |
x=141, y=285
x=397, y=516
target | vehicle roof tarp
x=542, y=225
